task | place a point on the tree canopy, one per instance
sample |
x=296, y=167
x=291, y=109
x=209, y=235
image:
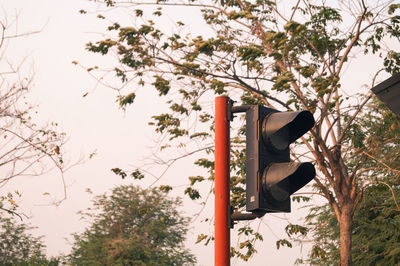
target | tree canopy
x=375, y=231
x=288, y=56
x=19, y=247
x=133, y=226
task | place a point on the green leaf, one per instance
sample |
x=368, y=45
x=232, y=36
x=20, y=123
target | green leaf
x=137, y=174
x=192, y=193
x=393, y=8
x=127, y=99
x=283, y=242
x=194, y=179
x=165, y=188
x=200, y=238
x=119, y=172
x=162, y=85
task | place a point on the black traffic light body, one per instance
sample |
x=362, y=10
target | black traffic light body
x=270, y=176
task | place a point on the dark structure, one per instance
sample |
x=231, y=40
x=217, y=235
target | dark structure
x=389, y=92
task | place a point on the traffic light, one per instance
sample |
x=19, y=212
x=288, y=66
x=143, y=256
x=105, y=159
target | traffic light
x=270, y=175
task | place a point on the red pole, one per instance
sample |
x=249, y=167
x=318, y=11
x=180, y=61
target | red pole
x=222, y=212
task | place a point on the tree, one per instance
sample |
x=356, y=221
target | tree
x=27, y=149
x=133, y=226
x=375, y=231
x=18, y=247
x=289, y=56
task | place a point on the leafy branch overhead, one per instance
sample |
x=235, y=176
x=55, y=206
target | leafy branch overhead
x=293, y=56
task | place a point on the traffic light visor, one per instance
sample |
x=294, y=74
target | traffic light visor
x=280, y=180
x=304, y=173
x=279, y=129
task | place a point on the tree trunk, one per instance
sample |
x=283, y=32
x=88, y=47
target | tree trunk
x=345, y=227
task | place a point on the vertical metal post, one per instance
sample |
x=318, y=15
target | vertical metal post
x=222, y=209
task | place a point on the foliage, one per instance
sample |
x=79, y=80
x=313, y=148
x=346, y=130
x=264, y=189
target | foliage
x=289, y=56
x=376, y=235
x=375, y=230
x=132, y=226
x=18, y=247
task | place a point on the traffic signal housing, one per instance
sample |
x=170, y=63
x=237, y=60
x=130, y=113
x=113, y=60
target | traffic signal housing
x=270, y=175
